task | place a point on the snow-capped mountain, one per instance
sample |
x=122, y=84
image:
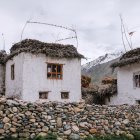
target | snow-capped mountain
x=102, y=59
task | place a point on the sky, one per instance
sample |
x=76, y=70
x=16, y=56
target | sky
x=96, y=22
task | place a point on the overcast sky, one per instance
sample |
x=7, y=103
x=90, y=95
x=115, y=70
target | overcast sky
x=96, y=21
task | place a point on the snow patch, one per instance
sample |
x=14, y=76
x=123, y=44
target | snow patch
x=102, y=59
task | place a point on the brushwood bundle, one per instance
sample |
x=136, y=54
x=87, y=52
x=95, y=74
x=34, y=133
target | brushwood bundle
x=130, y=57
x=49, y=49
x=3, y=55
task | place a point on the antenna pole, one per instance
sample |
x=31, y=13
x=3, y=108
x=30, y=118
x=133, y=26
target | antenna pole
x=3, y=41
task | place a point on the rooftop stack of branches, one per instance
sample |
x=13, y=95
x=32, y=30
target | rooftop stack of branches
x=85, y=81
x=3, y=55
x=130, y=57
x=100, y=93
x=49, y=49
x=109, y=80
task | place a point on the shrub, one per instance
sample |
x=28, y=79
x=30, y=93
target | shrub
x=136, y=135
x=9, y=138
x=51, y=136
x=39, y=138
x=112, y=137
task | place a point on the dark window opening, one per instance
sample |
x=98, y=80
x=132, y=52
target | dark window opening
x=12, y=72
x=43, y=95
x=54, y=71
x=64, y=95
x=138, y=102
x=137, y=80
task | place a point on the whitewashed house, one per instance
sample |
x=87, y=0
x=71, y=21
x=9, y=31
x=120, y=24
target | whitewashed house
x=43, y=71
x=128, y=79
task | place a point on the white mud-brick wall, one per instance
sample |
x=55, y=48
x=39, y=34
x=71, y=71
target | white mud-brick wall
x=2, y=78
x=127, y=92
x=31, y=78
x=35, y=78
x=14, y=87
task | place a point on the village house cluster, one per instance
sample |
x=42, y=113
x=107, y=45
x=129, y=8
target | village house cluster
x=38, y=71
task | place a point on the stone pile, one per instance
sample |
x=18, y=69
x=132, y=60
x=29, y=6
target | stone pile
x=67, y=120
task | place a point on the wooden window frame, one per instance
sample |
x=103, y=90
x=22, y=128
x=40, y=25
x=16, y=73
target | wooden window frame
x=56, y=73
x=12, y=71
x=44, y=92
x=64, y=92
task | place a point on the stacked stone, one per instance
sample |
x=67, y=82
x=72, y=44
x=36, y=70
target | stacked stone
x=67, y=120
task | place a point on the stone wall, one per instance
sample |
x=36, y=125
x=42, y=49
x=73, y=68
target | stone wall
x=21, y=119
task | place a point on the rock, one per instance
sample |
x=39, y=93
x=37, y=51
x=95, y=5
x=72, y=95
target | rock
x=1, y=131
x=45, y=129
x=14, y=135
x=67, y=132
x=13, y=130
x=24, y=135
x=76, y=110
x=93, y=131
x=32, y=120
x=43, y=134
x=117, y=123
x=59, y=138
x=52, y=121
x=130, y=136
x=67, y=126
x=2, y=100
x=7, y=126
x=59, y=122
x=15, y=109
x=83, y=124
x=49, y=117
x=12, y=102
x=1, y=113
x=126, y=121
x=28, y=113
x=75, y=128
x=1, y=125
x=6, y=120
x=32, y=135
x=16, y=124
x=74, y=137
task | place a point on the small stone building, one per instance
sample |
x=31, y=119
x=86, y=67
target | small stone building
x=43, y=71
x=128, y=78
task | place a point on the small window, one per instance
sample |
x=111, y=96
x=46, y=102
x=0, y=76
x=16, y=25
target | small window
x=54, y=71
x=137, y=80
x=12, y=72
x=138, y=102
x=43, y=95
x=64, y=95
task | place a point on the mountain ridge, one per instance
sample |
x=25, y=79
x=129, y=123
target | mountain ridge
x=100, y=67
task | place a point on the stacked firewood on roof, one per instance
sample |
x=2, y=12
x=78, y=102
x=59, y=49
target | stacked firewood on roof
x=130, y=57
x=49, y=49
x=3, y=56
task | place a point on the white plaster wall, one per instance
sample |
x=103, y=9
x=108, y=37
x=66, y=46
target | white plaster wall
x=14, y=87
x=35, y=78
x=2, y=78
x=127, y=93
